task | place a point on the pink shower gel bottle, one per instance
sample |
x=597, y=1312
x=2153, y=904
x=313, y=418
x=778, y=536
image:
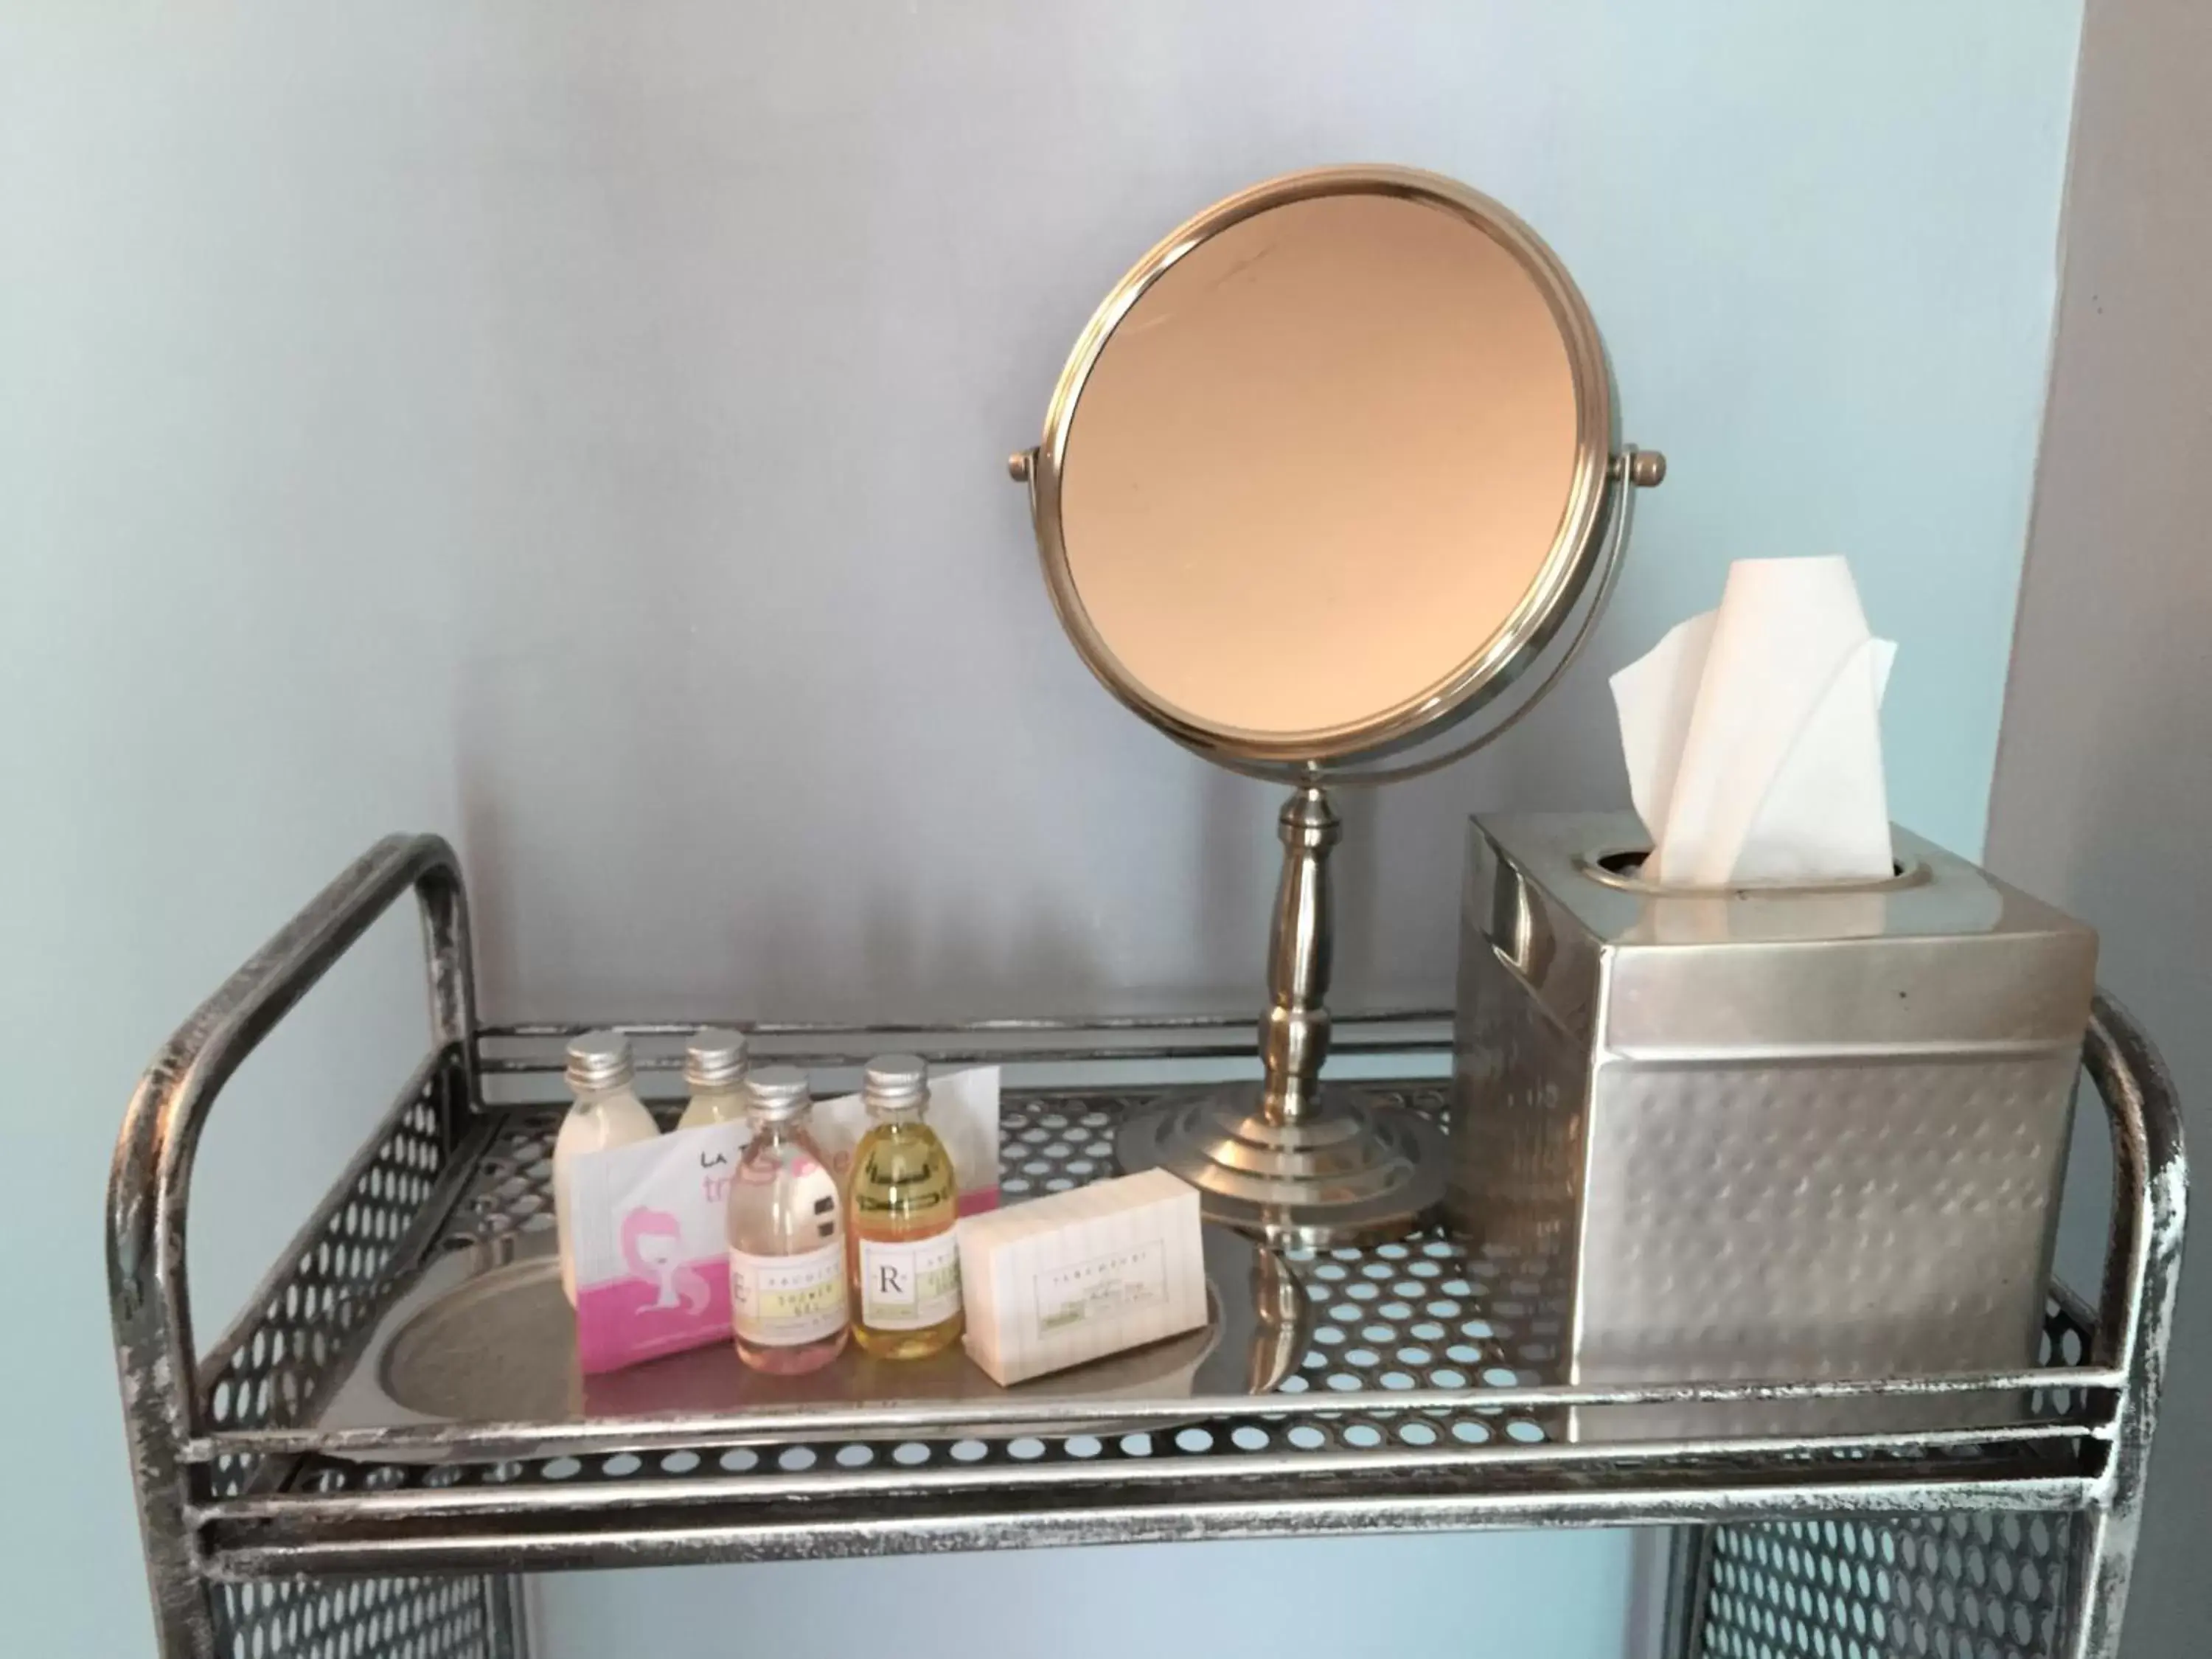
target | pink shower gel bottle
x=786, y=1233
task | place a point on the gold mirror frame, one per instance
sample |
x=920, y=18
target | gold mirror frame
x=1498, y=660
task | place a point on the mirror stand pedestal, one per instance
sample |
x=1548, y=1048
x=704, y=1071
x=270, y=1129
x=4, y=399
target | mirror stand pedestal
x=1285, y=1158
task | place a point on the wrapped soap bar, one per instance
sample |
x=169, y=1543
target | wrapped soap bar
x=1081, y=1274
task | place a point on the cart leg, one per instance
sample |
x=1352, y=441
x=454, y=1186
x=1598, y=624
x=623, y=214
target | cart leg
x=2134, y=1321
x=2097, y=1570
x=507, y=1595
x=184, y=1612
x=183, y=1609
x=1689, y=1560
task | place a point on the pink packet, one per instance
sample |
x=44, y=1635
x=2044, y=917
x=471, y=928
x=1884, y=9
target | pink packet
x=652, y=1264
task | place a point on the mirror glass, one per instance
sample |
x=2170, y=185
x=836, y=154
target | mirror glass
x=1324, y=472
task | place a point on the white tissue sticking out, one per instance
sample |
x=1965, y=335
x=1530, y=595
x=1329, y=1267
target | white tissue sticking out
x=1753, y=734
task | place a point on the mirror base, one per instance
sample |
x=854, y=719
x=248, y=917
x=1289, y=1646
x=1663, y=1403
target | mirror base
x=1347, y=1173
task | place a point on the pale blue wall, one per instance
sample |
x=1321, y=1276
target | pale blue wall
x=2103, y=795
x=400, y=403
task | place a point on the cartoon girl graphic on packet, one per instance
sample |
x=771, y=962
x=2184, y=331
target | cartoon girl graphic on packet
x=653, y=1249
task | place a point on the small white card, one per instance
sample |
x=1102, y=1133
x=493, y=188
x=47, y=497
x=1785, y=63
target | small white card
x=963, y=1109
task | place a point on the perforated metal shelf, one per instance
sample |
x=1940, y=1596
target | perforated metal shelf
x=1427, y=1388
x=1427, y=1396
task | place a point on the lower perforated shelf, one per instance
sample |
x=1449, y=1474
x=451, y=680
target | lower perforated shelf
x=1919, y=1587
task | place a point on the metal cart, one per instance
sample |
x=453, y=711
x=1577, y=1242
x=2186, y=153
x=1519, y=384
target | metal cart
x=1421, y=1401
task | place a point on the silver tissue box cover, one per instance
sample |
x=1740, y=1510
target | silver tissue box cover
x=1789, y=1135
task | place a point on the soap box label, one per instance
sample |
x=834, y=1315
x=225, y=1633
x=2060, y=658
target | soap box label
x=1074, y=1276
x=1102, y=1287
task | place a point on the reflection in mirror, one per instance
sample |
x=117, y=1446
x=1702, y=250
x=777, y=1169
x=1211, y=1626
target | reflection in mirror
x=1319, y=464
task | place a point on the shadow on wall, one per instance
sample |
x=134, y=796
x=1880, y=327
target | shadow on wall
x=669, y=855
x=642, y=885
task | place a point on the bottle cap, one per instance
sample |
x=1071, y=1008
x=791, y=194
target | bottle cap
x=896, y=1083
x=776, y=1094
x=714, y=1058
x=598, y=1059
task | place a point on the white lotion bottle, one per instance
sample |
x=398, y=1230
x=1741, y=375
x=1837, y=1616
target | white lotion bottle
x=714, y=1071
x=607, y=1114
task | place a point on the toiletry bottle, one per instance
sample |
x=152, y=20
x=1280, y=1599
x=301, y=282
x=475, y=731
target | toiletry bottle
x=787, y=1295
x=607, y=1113
x=900, y=1210
x=714, y=1070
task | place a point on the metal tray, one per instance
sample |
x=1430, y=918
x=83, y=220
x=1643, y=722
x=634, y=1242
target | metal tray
x=486, y=1336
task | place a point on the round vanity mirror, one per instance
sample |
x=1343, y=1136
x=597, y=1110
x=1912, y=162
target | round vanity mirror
x=1325, y=473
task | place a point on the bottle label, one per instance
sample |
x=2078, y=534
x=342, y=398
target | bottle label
x=910, y=1283
x=781, y=1301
